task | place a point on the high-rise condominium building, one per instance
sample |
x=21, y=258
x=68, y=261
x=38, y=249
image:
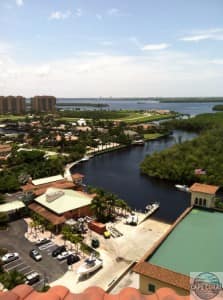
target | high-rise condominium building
x=43, y=104
x=13, y=105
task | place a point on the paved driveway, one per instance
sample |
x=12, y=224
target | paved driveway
x=13, y=239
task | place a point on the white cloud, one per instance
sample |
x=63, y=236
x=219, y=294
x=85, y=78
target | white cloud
x=79, y=12
x=59, y=15
x=217, y=61
x=153, y=47
x=210, y=34
x=99, y=17
x=113, y=11
x=90, y=74
x=19, y=2
x=5, y=48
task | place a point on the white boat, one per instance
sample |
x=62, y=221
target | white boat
x=90, y=265
x=132, y=219
x=183, y=188
x=151, y=208
x=86, y=158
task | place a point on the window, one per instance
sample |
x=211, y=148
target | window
x=196, y=201
x=204, y=202
x=200, y=201
x=151, y=288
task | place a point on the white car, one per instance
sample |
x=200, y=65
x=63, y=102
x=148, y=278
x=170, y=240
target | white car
x=63, y=255
x=8, y=257
x=32, y=278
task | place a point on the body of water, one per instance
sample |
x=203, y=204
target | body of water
x=185, y=108
x=119, y=173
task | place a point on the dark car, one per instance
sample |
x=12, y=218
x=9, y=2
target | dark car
x=95, y=243
x=43, y=242
x=58, y=250
x=35, y=255
x=32, y=278
x=72, y=259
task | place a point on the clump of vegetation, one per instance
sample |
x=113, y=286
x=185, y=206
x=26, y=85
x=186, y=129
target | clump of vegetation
x=105, y=205
x=179, y=162
x=11, y=279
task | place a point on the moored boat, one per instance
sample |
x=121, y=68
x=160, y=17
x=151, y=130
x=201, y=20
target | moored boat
x=138, y=142
x=90, y=265
x=183, y=188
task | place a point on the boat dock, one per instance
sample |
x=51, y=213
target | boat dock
x=146, y=215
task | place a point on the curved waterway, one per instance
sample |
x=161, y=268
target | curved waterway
x=119, y=173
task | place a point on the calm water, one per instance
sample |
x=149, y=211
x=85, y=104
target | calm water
x=185, y=108
x=119, y=173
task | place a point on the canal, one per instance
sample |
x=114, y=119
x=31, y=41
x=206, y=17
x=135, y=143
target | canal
x=119, y=173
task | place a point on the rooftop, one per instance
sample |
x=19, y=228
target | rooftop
x=47, y=179
x=186, y=249
x=23, y=292
x=61, y=201
x=10, y=206
x=204, y=188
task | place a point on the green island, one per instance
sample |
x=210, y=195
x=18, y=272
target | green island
x=218, y=107
x=178, y=163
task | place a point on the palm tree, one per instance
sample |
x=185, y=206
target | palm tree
x=98, y=206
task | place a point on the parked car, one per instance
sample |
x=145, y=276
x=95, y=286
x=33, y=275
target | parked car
x=35, y=255
x=58, y=250
x=95, y=243
x=63, y=255
x=43, y=242
x=32, y=278
x=72, y=259
x=8, y=257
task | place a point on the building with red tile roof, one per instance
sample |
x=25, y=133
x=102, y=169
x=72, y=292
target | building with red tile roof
x=203, y=195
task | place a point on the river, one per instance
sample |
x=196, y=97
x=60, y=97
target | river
x=119, y=173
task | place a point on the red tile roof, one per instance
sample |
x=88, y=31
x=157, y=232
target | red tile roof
x=204, y=188
x=50, y=216
x=41, y=188
x=25, y=292
x=162, y=274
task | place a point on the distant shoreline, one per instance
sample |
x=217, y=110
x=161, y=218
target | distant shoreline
x=148, y=99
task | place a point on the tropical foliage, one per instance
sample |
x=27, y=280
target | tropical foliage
x=106, y=205
x=179, y=162
x=11, y=279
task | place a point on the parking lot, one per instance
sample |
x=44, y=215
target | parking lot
x=49, y=267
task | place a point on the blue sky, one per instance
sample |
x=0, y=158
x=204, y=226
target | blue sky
x=94, y=48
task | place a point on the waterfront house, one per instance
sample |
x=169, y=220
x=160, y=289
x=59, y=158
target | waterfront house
x=203, y=195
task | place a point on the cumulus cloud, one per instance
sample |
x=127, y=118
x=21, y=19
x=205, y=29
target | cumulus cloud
x=19, y=2
x=153, y=47
x=59, y=15
x=210, y=34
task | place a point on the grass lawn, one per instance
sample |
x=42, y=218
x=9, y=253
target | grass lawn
x=152, y=136
x=11, y=117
